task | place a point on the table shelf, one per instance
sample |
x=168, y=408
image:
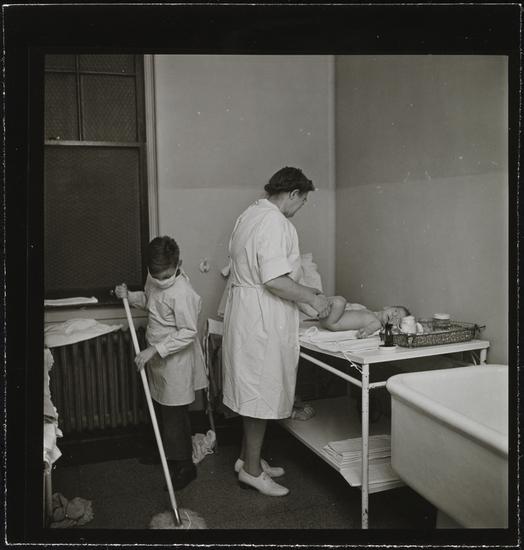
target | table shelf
x=336, y=419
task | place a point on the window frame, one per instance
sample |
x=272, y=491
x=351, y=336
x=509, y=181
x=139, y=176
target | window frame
x=144, y=132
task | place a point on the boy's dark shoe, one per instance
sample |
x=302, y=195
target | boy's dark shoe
x=183, y=473
x=151, y=458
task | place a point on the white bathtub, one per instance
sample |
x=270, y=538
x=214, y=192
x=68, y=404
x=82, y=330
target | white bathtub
x=449, y=440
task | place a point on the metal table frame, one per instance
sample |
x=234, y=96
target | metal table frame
x=362, y=361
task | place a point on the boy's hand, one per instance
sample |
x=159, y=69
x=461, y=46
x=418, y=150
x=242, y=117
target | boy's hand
x=121, y=291
x=144, y=356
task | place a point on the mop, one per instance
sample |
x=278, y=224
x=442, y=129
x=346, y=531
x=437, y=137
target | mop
x=175, y=518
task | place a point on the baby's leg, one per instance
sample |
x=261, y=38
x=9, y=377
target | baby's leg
x=338, y=305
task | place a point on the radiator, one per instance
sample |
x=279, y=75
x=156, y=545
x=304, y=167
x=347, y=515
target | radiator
x=95, y=384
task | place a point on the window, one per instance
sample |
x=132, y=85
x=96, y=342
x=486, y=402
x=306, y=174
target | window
x=95, y=189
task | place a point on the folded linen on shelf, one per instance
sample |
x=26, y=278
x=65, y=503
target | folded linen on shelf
x=349, y=451
x=380, y=473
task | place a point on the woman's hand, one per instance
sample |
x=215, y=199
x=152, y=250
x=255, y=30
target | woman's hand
x=144, y=356
x=321, y=305
x=121, y=291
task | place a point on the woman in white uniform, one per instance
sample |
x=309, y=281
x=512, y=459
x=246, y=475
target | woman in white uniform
x=260, y=345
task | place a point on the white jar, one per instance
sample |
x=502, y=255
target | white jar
x=408, y=324
x=441, y=321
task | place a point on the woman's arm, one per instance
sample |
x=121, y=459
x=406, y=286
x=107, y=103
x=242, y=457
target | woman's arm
x=284, y=287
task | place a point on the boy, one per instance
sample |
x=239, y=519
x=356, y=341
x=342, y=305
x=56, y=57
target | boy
x=344, y=316
x=174, y=356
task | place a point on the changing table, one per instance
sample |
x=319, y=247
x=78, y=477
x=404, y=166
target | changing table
x=334, y=421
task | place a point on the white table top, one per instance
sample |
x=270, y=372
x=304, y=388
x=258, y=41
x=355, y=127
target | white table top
x=400, y=353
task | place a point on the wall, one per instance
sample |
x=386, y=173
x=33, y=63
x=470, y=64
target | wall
x=422, y=186
x=224, y=125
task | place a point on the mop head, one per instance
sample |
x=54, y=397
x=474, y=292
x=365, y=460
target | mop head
x=166, y=520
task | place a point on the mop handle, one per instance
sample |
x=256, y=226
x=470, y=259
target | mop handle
x=153, y=416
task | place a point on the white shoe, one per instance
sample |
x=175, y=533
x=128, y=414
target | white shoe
x=262, y=483
x=272, y=471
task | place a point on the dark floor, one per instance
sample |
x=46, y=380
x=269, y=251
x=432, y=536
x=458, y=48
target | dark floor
x=126, y=493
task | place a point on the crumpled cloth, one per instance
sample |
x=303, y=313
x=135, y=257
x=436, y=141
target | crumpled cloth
x=303, y=412
x=203, y=445
x=70, y=513
x=75, y=330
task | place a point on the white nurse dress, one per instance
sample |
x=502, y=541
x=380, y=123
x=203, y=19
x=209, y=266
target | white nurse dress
x=260, y=345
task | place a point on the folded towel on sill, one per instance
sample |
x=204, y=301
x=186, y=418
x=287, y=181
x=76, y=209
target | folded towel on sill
x=77, y=301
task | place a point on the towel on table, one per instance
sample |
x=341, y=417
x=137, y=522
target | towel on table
x=344, y=340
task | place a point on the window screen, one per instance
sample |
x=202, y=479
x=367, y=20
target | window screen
x=95, y=206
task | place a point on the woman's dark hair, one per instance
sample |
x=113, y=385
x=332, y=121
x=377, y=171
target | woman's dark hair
x=288, y=179
x=163, y=253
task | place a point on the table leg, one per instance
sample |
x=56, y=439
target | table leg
x=483, y=355
x=365, y=443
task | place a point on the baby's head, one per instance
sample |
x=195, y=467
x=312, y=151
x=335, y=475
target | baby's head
x=393, y=314
x=163, y=257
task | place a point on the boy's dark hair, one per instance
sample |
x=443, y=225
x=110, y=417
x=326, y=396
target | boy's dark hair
x=162, y=253
x=288, y=179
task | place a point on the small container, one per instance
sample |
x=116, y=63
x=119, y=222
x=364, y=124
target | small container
x=408, y=324
x=441, y=321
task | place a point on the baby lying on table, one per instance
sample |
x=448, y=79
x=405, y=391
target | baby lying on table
x=344, y=316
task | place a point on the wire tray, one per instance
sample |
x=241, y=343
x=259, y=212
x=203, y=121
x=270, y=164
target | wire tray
x=457, y=332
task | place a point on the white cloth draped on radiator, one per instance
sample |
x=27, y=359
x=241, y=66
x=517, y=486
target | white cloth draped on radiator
x=344, y=340
x=75, y=330
x=51, y=430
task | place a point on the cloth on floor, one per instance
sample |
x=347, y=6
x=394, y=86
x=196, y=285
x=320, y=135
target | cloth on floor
x=342, y=341
x=203, y=445
x=70, y=513
x=78, y=301
x=349, y=451
x=75, y=330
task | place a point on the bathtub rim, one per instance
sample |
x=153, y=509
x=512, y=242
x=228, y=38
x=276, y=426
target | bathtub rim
x=457, y=421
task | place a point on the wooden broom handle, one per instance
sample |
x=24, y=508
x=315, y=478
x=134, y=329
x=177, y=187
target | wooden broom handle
x=153, y=416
